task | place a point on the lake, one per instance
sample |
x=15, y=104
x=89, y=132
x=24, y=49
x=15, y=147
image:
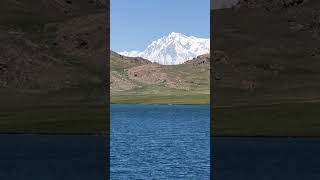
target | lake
x=44, y=157
x=266, y=158
x=160, y=142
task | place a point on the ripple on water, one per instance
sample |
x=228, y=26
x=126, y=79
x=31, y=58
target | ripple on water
x=160, y=142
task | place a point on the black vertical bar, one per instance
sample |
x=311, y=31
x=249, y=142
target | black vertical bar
x=212, y=93
x=107, y=90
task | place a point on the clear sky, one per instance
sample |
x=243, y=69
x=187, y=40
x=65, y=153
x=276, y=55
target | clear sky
x=136, y=23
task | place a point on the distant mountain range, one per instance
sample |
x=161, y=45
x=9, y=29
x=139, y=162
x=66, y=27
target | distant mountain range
x=176, y=48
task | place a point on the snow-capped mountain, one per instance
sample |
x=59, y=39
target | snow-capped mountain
x=175, y=48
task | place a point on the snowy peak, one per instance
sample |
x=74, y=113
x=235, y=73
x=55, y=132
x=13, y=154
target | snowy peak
x=176, y=48
x=130, y=54
x=177, y=36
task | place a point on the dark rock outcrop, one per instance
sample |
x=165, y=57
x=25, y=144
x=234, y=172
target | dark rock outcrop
x=202, y=59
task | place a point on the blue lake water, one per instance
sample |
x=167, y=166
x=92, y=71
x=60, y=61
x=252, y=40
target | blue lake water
x=266, y=158
x=160, y=142
x=35, y=157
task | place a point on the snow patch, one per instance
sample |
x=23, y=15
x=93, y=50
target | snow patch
x=176, y=48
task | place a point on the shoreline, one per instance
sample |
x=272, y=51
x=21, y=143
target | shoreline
x=165, y=104
x=161, y=99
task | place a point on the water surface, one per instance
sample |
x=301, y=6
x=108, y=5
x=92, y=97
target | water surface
x=266, y=158
x=39, y=157
x=160, y=142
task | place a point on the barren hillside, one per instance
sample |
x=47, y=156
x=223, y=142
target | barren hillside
x=137, y=80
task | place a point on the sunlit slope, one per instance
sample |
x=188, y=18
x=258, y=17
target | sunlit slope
x=136, y=80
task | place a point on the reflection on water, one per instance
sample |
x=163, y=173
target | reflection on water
x=266, y=159
x=160, y=142
x=34, y=157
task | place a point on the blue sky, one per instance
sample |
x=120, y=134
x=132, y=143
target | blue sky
x=136, y=23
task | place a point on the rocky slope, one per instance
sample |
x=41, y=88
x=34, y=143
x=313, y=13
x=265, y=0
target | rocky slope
x=136, y=77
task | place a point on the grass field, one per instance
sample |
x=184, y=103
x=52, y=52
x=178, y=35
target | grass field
x=183, y=84
x=154, y=99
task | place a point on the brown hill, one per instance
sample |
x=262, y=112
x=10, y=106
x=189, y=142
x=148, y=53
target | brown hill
x=137, y=80
x=202, y=59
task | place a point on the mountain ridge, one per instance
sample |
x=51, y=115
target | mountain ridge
x=175, y=48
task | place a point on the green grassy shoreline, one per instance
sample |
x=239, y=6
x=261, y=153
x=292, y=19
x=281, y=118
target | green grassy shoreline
x=152, y=99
